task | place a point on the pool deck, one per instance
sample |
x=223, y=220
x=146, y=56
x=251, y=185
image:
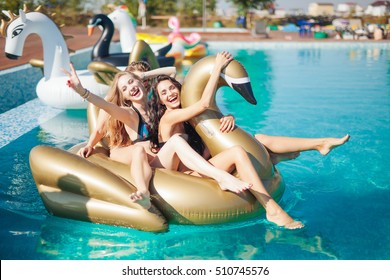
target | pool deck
x=33, y=45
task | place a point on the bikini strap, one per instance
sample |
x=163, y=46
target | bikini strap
x=141, y=125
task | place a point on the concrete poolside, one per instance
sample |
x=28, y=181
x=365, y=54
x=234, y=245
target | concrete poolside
x=33, y=45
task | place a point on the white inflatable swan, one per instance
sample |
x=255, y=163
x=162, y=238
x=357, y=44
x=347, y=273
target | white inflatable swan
x=52, y=88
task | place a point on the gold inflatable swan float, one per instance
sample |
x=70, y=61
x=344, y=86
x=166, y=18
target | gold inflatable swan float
x=97, y=189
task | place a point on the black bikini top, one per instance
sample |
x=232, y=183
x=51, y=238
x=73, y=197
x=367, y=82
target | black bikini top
x=143, y=128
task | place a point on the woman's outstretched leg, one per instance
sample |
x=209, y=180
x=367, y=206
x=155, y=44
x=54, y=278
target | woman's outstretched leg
x=236, y=157
x=140, y=170
x=286, y=148
x=178, y=148
x=283, y=144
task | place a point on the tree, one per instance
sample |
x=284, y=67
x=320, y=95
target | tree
x=244, y=6
x=13, y=6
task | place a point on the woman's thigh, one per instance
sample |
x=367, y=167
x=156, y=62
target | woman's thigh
x=123, y=154
x=166, y=158
x=224, y=160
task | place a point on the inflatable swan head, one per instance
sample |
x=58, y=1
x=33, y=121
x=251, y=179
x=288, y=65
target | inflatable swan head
x=234, y=75
x=174, y=24
x=17, y=29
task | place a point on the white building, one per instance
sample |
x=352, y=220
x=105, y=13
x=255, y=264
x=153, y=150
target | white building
x=346, y=9
x=378, y=8
x=321, y=9
x=225, y=8
x=95, y=6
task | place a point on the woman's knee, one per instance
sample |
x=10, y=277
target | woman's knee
x=139, y=152
x=264, y=139
x=176, y=139
x=261, y=137
x=240, y=152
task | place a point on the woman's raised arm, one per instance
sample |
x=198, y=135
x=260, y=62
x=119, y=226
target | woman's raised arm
x=115, y=111
x=184, y=114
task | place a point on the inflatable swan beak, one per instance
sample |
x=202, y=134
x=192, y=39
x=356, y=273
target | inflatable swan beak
x=11, y=56
x=235, y=76
x=242, y=86
x=91, y=28
x=92, y=25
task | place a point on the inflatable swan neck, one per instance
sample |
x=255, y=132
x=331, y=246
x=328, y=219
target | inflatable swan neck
x=102, y=46
x=207, y=124
x=142, y=51
x=174, y=24
x=127, y=32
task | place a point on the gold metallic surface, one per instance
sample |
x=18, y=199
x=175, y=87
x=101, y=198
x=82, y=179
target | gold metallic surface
x=141, y=50
x=103, y=72
x=75, y=188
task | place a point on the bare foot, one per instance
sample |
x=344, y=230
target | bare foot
x=331, y=143
x=282, y=219
x=234, y=185
x=276, y=158
x=142, y=199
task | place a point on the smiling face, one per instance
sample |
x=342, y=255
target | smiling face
x=132, y=88
x=169, y=94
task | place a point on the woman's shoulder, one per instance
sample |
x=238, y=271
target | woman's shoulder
x=130, y=109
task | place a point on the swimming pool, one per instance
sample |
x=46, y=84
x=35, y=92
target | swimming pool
x=305, y=90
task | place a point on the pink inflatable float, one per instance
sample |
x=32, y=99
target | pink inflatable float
x=185, y=47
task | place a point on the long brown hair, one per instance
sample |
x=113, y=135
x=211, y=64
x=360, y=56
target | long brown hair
x=157, y=110
x=116, y=131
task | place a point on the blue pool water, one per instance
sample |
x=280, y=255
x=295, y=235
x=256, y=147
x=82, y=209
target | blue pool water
x=304, y=90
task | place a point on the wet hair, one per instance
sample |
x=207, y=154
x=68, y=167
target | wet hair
x=157, y=110
x=116, y=131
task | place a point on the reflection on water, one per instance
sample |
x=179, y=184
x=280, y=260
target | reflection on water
x=257, y=241
x=311, y=56
x=312, y=244
x=70, y=126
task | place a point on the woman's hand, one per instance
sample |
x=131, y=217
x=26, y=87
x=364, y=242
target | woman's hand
x=227, y=124
x=85, y=151
x=73, y=80
x=223, y=59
